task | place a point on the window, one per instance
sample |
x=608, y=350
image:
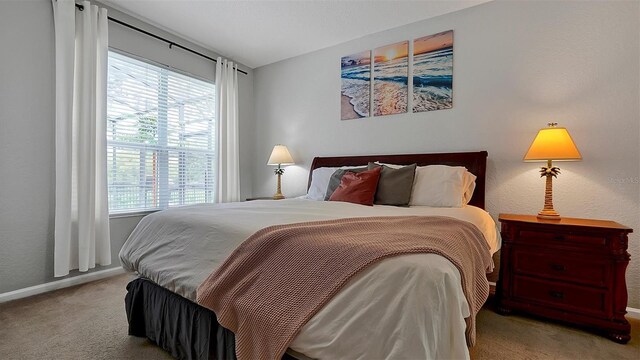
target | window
x=160, y=137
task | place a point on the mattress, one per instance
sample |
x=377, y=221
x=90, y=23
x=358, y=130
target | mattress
x=416, y=299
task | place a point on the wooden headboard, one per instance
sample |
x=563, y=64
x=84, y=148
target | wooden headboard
x=475, y=162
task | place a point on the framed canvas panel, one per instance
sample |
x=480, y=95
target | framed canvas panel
x=355, y=91
x=433, y=72
x=390, y=71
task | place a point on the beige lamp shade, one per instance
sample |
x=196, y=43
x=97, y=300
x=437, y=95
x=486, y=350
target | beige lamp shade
x=280, y=156
x=553, y=143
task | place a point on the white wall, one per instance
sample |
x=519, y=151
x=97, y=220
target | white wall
x=517, y=66
x=27, y=115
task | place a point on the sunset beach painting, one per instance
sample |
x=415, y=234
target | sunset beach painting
x=355, y=73
x=390, y=74
x=433, y=72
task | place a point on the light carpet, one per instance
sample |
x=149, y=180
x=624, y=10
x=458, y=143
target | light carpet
x=89, y=322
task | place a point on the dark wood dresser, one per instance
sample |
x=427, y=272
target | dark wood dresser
x=571, y=270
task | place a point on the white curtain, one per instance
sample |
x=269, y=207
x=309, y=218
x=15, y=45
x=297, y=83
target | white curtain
x=228, y=189
x=81, y=212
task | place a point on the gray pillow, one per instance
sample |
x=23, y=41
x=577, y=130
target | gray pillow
x=394, y=186
x=336, y=177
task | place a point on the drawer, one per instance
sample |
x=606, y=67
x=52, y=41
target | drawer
x=559, y=238
x=582, y=270
x=562, y=296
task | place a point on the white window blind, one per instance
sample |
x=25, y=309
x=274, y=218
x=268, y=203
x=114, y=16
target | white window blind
x=160, y=137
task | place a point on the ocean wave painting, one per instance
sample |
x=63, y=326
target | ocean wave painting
x=433, y=72
x=355, y=73
x=390, y=74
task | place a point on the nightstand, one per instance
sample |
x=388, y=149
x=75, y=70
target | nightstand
x=571, y=270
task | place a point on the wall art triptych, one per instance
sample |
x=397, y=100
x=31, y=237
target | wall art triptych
x=432, y=78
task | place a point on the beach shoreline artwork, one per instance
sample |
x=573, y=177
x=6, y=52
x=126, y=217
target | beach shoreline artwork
x=433, y=72
x=355, y=92
x=390, y=74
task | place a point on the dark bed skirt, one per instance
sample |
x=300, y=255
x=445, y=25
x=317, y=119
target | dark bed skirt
x=181, y=327
x=178, y=325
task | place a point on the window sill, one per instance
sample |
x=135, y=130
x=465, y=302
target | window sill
x=131, y=214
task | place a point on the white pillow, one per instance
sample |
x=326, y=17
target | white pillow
x=319, y=182
x=470, y=186
x=442, y=186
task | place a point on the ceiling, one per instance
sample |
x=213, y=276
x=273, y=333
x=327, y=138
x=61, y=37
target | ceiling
x=260, y=32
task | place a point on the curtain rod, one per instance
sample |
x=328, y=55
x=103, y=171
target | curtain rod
x=171, y=43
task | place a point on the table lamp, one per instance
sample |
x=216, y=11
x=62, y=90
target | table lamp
x=551, y=143
x=279, y=156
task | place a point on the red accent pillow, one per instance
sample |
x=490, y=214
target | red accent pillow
x=358, y=188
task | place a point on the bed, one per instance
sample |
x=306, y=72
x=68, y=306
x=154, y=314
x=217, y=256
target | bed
x=174, y=250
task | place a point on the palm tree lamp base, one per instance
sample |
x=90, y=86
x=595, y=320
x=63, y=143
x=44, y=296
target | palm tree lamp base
x=548, y=212
x=278, y=196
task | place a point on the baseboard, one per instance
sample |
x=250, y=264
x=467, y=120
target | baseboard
x=59, y=284
x=633, y=313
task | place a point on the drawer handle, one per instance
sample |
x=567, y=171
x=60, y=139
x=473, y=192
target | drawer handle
x=557, y=267
x=556, y=294
x=558, y=237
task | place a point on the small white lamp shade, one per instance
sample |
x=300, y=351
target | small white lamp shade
x=280, y=156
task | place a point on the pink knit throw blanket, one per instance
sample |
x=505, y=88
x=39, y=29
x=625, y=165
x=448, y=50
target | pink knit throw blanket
x=282, y=275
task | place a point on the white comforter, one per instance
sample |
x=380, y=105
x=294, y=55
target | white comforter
x=410, y=306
